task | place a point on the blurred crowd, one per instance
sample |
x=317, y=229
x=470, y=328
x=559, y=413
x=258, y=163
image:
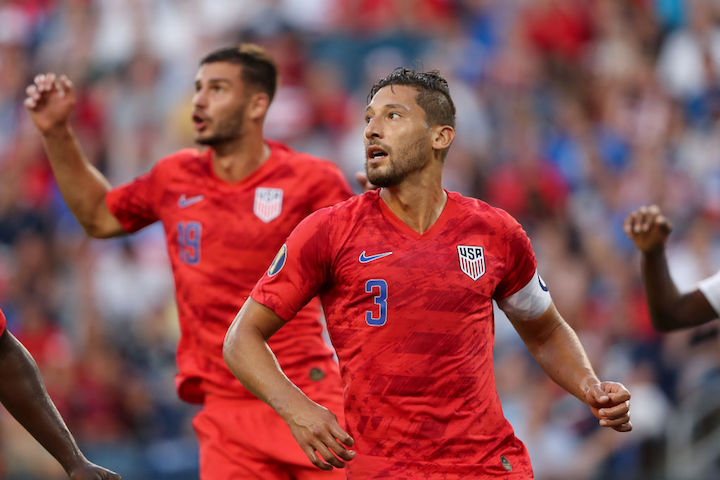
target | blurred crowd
x=571, y=113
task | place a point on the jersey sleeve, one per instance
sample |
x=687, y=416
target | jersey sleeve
x=3, y=322
x=134, y=204
x=519, y=258
x=299, y=269
x=710, y=287
x=332, y=188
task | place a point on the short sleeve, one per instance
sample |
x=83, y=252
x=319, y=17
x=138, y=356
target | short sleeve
x=299, y=269
x=519, y=258
x=134, y=204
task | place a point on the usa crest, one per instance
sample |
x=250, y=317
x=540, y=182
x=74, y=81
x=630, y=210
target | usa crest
x=472, y=260
x=268, y=203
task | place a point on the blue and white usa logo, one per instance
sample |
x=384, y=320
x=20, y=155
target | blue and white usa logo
x=278, y=262
x=268, y=203
x=472, y=260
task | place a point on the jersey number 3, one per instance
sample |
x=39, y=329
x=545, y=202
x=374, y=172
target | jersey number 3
x=378, y=288
x=189, y=234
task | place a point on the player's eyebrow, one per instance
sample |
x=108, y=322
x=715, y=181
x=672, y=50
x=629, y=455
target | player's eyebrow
x=212, y=81
x=389, y=106
x=392, y=106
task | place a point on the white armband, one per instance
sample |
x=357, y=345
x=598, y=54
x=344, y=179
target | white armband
x=710, y=287
x=529, y=302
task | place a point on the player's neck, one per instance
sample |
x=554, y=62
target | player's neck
x=418, y=204
x=235, y=161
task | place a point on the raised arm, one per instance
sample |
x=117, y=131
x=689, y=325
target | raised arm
x=249, y=357
x=23, y=394
x=557, y=349
x=669, y=309
x=50, y=102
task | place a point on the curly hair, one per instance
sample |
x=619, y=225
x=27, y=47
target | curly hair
x=433, y=93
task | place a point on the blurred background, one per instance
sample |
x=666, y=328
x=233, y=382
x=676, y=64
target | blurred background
x=571, y=113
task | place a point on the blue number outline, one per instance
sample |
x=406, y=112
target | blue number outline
x=189, y=234
x=380, y=299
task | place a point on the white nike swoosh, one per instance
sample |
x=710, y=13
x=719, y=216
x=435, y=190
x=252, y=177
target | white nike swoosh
x=184, y=201
x=364, y=259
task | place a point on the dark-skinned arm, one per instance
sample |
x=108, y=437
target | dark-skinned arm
x=23, y=394
x=669, y=308
x=249, y=357
x=557, y=349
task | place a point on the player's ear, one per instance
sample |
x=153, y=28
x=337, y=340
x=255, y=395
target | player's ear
x=258, y=105
x=442, y=136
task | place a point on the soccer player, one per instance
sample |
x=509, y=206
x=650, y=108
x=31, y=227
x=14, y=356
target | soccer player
x=22, y=392
x=225, y=211
x=670, y=309
x=406, y=275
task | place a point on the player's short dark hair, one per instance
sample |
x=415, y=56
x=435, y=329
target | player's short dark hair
x=258, y=68
x=433, y=93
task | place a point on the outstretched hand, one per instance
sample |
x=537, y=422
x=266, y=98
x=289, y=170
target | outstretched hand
x=50, y=101
x=610, y=403
x=317, y=431
x=90, y=471
x=648, y=228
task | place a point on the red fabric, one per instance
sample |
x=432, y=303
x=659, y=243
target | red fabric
x=219, y=247
x=3, y=322
x=270, y=452
x=420, y=396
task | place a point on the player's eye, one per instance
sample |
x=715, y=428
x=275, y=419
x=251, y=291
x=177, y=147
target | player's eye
x=368, y=118
x=393, y=115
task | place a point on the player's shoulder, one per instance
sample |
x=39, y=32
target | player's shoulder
x=480, y=209
x=181, y=158
x=347, y=211
x=188, y=162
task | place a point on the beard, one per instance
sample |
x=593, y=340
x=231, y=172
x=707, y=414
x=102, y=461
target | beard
x=412, y=159
x=226, y=130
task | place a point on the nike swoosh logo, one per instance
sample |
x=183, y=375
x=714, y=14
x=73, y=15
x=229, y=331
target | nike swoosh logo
x=184, y=201
x=364, y=259
x=543, y=285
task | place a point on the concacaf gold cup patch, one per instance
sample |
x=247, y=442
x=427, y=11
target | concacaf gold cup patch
x=278, y=262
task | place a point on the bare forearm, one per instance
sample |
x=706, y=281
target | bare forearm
x=662, y=294
x=23, y=394
x=563, y=358
x=81, y=184
x=669, y=308
x=252, y=362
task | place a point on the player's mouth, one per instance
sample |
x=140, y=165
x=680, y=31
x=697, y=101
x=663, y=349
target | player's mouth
x=199, y=122
x=375, y=154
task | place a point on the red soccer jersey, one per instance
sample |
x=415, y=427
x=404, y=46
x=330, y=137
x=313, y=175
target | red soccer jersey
x=3, y=322
x=221, y=237
x=411, y=320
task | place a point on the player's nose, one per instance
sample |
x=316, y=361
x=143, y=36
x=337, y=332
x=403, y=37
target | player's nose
x=199, y=99
x=372, y=129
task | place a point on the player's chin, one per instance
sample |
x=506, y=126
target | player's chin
x=205, y=139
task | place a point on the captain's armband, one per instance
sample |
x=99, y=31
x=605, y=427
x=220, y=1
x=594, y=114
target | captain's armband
x=529, y=302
